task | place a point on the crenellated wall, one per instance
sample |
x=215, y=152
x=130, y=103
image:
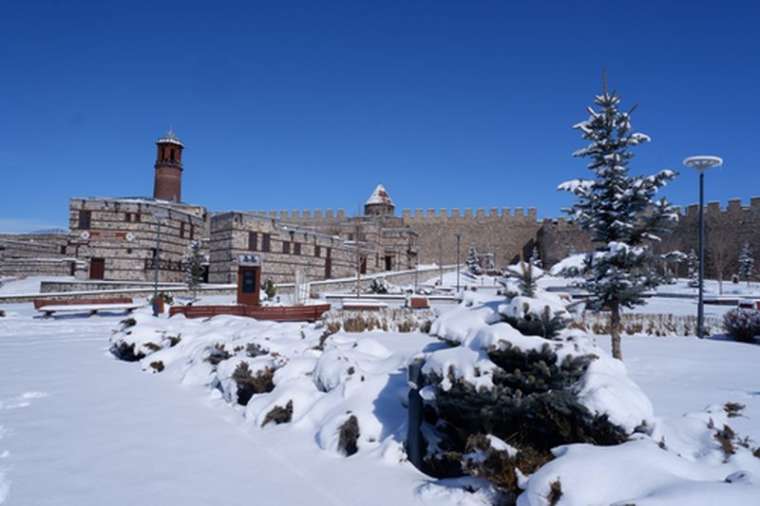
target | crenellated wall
x=504, y=232
x=727, y=228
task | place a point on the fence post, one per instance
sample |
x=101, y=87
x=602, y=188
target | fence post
x=414, y=444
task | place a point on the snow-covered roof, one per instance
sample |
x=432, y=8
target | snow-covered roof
x=380, y=196
x=170, y=138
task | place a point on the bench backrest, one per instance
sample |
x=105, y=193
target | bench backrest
x=38, y=303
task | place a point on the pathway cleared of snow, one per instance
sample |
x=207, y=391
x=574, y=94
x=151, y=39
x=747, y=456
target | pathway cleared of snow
x=79, y=427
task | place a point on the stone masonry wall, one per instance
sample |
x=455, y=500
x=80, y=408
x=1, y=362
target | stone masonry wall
x=230, y=234
x=505, y=233
x=123, y=232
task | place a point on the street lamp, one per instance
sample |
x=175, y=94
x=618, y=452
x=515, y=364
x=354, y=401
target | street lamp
x=702, y=164
x=159, y=214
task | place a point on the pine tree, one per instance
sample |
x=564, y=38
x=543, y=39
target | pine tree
x=535, y=257
x=194, y=267
x=746, y=263
x=692, y=264
x=620, y=212
x=473, y=262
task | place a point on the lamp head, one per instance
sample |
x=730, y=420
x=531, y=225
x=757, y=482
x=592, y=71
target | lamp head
x=703, y=162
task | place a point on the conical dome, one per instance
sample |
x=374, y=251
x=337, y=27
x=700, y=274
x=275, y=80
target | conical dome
x=379, y=202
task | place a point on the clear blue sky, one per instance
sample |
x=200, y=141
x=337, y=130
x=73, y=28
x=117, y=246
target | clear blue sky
x=310, y=104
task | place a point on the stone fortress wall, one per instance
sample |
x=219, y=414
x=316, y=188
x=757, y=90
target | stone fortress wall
x=504, y=232
x=509, y=233
x=727, y=228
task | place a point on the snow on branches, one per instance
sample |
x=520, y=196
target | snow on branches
x=618, y=209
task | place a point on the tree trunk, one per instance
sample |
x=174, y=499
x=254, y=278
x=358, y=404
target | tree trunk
x=615, y=325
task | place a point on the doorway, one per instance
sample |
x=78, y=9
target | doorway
x=97, y=268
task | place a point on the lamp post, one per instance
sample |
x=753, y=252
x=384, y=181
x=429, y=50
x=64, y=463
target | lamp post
x=159, y=214
x=702, y=164
x=459, y=239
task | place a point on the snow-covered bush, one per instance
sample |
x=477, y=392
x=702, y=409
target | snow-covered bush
x=473, y=262
x=534, y=392
x=378, y=286
x=742, y=324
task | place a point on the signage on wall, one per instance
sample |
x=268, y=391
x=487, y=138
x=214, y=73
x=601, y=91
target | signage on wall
x=249, y=260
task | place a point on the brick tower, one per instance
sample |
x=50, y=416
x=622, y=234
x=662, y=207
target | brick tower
x=168, y=180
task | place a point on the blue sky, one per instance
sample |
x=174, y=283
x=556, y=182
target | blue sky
x=301, y=105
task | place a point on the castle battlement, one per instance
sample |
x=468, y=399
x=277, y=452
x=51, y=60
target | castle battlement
x=734, y=208
x=416, y=216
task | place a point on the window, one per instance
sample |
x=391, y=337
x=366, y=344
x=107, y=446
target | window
x=171, y=155
x=63, y=250
x=253, y=241
x=182, y=230
x=137, y=217
x=127, y=217
x=297, y=248
x=192, y=231
x=286, y=247
x=350, y=237
x=266, y=242
x=329, y=253
x=317, y=250
x=84, y=219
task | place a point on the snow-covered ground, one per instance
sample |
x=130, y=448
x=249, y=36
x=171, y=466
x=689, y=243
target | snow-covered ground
x=13, y=286
x=79, y=427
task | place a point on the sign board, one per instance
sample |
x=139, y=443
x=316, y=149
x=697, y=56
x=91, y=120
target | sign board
x=249, y=260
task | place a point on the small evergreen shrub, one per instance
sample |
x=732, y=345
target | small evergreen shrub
x=378, y=286
x=742, y=324
x=533, y=404
x=217, y=354
x=279, y=415
x=546, y=325
x=348, y=436
x=157, y=366
x=126, y=352
x=270, y=289
x=248, y=384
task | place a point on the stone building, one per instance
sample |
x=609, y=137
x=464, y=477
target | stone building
x=38, y=254
x=117, y=238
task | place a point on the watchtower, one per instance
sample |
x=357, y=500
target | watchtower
x=379, y=203
x=168, y=179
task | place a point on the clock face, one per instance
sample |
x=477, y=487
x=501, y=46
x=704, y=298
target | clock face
x=85, y=235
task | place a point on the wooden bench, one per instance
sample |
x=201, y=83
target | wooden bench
x=91, y=306
x=363, y=305
x=308, y=313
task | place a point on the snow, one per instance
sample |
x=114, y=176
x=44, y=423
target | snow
x=29, y=285
x=79, y=427
x=379, y=196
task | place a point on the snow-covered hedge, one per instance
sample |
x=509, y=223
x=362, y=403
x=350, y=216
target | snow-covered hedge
x=347, y=391
x=538, y=417
x=742, y=324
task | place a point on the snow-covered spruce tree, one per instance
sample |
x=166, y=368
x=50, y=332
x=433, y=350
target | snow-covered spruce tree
x=746, y=263
x=692, y=265
x=472, y=262
x=535, y=257
x=194, y=268
x=620, y=212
